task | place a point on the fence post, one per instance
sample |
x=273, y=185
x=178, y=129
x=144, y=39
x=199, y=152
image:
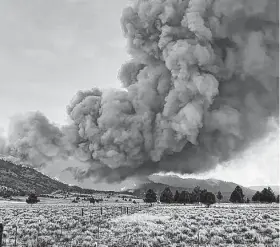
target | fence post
x=101, y=210
x=16, y=237
x=82, y=211
x=1, y=233
x=99, y=226
x=126, y=210
x=38, y=231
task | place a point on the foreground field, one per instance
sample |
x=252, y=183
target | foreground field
x=161, y=225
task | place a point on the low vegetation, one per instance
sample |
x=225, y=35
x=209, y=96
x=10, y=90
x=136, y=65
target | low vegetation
x=160, y=225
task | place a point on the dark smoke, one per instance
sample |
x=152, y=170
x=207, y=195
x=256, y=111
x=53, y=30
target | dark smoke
x=201, y=86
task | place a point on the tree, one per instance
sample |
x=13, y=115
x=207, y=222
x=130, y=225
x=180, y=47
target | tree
x=91, y=200
x=277, y=199
x=256, y=197
x=267, y=195
x=208, y=198
x=176, y=196
x=195, y=195
x=184, y=197
x=32, y=198
x=219, y=196
x=202, y=195
x=166, y=196
x=150, y=196
x=247, y=200
x=21, y=193
x=237, y=195
x=7, y=194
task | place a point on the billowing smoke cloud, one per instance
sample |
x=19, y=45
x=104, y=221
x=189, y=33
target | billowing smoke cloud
x=34, y=139
x=201, y=85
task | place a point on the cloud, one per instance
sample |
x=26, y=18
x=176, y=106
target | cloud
x=195, y=92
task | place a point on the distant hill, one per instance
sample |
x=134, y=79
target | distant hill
x=21, y=179
x=177, y=183
x=275, y=188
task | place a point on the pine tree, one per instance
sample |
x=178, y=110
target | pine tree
x=166, y=196
x=256, y=197
x=150, y=196
x=267, y=195
x=184, y=197
x=237, y=195
x=195, y=195
x=176, y=196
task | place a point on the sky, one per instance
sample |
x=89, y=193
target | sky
x=51, y=49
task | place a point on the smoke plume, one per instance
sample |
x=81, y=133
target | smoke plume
x=201, y=85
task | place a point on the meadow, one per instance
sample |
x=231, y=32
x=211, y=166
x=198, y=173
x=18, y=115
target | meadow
x=159, y=225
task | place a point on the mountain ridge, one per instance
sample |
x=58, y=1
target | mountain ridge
x=22, y=179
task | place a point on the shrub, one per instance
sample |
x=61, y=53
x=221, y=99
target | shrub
x=32, y=199
x=219, y=196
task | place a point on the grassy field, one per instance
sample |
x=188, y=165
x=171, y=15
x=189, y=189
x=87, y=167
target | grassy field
x=160, y=225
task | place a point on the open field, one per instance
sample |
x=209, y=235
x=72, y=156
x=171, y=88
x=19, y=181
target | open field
x=160, y=225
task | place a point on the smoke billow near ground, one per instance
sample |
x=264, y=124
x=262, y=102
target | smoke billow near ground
x=201, y=85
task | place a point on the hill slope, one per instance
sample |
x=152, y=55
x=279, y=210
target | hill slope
x=23, y=179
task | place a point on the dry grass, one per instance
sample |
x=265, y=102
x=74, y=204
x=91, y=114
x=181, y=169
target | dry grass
x=221, y=225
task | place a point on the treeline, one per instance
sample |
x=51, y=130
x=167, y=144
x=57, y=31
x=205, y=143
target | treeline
x=196, y=196
x=266, y=195
x=7, y=192
x=199, y=195
x=89, y=199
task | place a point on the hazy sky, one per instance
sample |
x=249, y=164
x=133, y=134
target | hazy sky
x=50, y=49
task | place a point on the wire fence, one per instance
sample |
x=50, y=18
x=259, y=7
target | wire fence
x=92, y=222
x=25, y=230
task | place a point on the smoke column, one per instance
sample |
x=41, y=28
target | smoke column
x=200, y=87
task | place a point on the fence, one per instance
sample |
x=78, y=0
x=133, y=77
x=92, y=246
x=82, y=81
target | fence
x=95, y=216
